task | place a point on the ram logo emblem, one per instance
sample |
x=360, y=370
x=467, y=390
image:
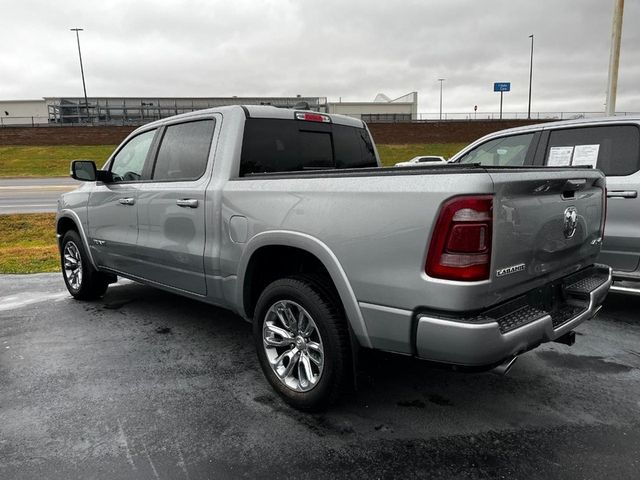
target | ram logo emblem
x=570, y=221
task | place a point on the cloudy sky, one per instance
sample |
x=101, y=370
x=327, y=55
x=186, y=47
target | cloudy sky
x=335, y=48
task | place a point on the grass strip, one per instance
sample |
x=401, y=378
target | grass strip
x=28, y=243
x=48, y=161
x=392, y=154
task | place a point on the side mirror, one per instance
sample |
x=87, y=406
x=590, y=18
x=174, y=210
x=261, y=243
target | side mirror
x=84, y=170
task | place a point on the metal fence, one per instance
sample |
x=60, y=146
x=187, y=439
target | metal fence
x=429, y=116
x=46, y=121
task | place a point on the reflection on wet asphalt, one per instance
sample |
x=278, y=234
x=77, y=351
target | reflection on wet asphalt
x=145, y=384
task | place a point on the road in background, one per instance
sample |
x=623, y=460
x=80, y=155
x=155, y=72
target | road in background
x=145, y=384
x=30, y=195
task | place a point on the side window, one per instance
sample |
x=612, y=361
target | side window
x=184, y=151
x=500, y=152
x=613, y=149
x=128, y=163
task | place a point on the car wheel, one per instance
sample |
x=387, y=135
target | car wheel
x=82, y=280
x=302, y=341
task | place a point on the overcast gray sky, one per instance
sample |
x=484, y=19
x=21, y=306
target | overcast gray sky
x=336, y=48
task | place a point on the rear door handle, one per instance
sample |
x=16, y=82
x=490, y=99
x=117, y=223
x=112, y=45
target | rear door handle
x=187, y=202
x=622, y=194
x=127, y=201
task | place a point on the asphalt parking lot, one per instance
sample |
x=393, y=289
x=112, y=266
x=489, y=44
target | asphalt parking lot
x=145, y=384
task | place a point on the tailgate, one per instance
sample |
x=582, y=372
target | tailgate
x=548, y=223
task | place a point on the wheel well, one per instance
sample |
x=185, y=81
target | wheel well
x=64, y=225
x=270, y=263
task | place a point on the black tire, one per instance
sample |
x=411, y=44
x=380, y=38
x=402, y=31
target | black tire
x=90, y=284
x=316, y=296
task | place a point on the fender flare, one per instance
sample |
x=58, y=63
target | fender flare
x=73, y=216
x=323, y=253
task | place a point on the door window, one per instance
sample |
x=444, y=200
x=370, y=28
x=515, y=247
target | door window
x=613, y=149
x=500, y=152
x=184, y=151
x=128, y=164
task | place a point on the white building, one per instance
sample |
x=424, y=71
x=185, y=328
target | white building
x=382, y=109
x=23, y=112
x=139, y=110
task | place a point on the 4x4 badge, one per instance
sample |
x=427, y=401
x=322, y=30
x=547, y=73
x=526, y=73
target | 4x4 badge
x=570, y=221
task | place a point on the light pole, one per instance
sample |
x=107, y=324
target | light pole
x=441, y=80
x=84, y=88
x=530, y=77
x=614, y=58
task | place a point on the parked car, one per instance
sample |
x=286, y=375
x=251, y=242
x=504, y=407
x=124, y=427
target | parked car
x=286, y=218
x=421, y=160
x=608, y=144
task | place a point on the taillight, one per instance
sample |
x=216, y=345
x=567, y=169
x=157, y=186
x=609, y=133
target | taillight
x=313, y=117
x=460, y=246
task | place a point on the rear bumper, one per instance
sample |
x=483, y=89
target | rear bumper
x=519, y=325
x=626, y=282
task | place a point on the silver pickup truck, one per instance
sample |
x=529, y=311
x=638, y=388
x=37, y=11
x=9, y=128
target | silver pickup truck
x=286, y=218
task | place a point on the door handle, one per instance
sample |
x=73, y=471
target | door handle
x=127, y=201
x=622, y=194
x=187, y=202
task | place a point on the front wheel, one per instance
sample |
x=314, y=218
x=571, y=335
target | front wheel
x=302, y=341
x=82, y=280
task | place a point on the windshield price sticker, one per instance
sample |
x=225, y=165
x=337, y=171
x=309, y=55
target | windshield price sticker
x=585, y=155
x=560, y=156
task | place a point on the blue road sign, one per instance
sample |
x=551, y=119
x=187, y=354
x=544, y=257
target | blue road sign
x=502, y=86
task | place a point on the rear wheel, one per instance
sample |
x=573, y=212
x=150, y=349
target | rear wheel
x=302, y=341
x=82, y=280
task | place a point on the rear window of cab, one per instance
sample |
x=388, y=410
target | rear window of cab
x=275, y=145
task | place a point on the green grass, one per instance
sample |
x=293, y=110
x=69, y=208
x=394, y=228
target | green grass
x=48, y=161
x=54, y=160
x=392, y=154
x=28, y=243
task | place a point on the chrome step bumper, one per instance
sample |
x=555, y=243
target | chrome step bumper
x=514, y=327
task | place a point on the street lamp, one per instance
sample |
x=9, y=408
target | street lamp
x=84, y=88
x=441, y=80
x=530, y=77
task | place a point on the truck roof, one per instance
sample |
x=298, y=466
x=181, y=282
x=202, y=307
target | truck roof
x=260, y=111
x=568, y=123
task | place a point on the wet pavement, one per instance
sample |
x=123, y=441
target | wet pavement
x=145, y=384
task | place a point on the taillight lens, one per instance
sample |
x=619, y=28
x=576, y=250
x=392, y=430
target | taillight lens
x=460, y=246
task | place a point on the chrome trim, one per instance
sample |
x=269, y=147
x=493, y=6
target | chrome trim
x=473, y=344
